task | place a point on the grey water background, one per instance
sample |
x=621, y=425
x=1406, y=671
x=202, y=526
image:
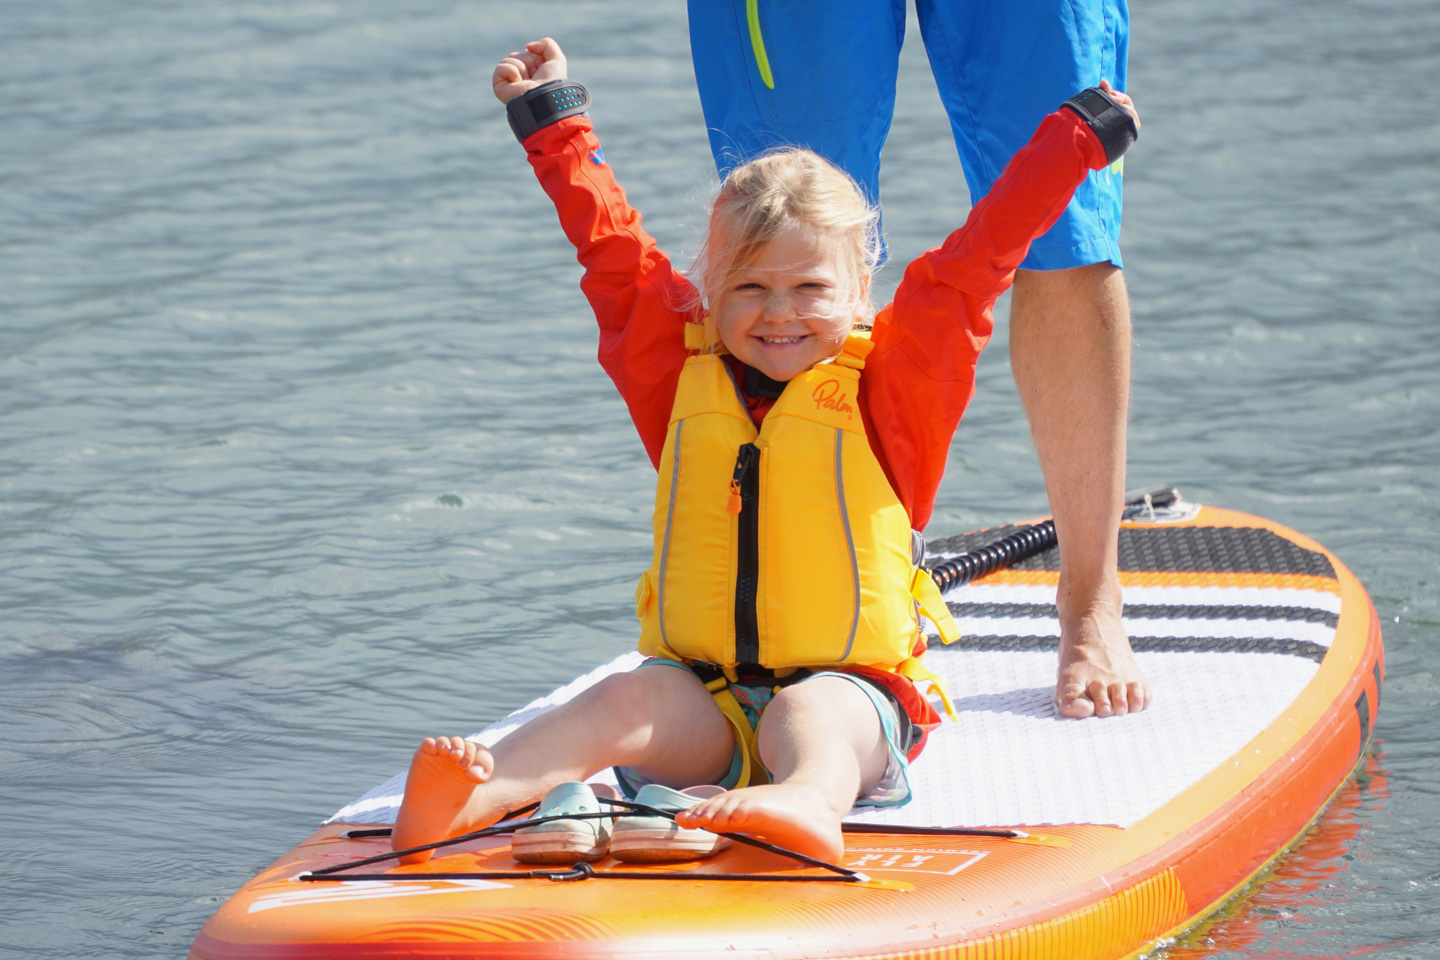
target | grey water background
x=304, y=453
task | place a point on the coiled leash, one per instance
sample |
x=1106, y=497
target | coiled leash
x=1035, y=539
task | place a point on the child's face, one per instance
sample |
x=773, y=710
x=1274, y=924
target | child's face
x=792, y=306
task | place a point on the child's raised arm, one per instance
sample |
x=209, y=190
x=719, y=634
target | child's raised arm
x=640, y=301
x=541, y=61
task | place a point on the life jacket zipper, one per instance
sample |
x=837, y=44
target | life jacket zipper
x=745, y=500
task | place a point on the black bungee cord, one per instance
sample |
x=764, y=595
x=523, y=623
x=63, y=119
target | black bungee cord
x=579, y=871
x=584, y=871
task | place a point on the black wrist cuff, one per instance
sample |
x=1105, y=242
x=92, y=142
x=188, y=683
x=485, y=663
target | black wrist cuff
x=548, y=103
x=1111, y=122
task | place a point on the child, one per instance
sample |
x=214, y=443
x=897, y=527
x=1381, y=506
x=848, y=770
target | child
x=796, y=454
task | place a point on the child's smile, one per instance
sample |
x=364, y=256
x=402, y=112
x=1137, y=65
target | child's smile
x=790, y=307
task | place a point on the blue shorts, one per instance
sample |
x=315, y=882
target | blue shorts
x=893, y=790
x=821, y=74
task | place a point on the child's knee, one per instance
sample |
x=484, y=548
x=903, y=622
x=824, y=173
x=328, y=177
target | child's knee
x=820, y=695
x=824, y=709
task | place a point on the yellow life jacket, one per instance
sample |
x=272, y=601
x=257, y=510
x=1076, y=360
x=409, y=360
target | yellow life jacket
x=783, y=546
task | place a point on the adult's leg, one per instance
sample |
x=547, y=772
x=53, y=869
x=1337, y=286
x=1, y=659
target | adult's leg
x=1002, y=65
x=660, y=721
x=818, y=74
x=824, y=745
x=1070, y=350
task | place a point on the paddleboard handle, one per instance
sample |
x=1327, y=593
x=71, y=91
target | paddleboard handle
x=1146, y=500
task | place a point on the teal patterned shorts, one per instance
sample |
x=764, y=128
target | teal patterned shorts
x=893, y=790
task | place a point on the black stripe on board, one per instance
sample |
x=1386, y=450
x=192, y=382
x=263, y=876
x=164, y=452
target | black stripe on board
x=1175, y=550
x=1153, y=611
x=1297, y=648
x=1362, y=712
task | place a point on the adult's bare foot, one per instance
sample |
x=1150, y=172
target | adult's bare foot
x=789, y=815
x=1098, y=676
x=443, y=776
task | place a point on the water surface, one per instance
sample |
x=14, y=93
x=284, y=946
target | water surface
x=304, y=453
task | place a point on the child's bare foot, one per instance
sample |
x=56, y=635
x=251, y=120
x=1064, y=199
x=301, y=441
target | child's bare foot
x=789, y=815
x=443, y=776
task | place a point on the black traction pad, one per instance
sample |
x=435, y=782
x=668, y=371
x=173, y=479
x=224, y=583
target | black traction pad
x=1174, y=550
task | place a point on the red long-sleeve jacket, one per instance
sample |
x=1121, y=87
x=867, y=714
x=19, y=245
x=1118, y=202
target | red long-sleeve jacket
x=919, y=377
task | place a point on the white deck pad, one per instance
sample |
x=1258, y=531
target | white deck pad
x=1224, y=664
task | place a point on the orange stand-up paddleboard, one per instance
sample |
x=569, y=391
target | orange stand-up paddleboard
x=1109, y=836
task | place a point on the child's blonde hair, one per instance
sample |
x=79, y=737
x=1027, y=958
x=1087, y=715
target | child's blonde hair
x=787, y=187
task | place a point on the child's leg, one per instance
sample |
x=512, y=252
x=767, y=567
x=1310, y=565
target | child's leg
x=661, y=721
x=824, y=746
